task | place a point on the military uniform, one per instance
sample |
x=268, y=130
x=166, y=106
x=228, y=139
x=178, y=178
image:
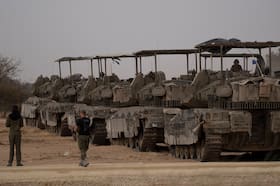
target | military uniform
x=236, y=68
x=84, y=129
x=14, y=122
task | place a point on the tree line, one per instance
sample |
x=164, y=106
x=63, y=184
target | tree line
x=12, y=90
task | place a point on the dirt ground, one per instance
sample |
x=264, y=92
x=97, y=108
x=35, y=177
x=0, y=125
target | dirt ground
x=41, y=147
x=53, y=160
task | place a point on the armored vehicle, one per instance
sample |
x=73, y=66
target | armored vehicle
x=167, y=93
x=137, y=127
x=198, y=115
x=30, y=111
x=142, y=126
x=55, y=96
x=52, y=117
x=74, y=93
x=237, y=112
x=97, y=115
x=112, y=101
x=86, y=94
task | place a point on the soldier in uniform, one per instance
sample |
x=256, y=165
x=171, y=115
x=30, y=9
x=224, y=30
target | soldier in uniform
x=83, y=129
x=15, y=122
x=236, y=67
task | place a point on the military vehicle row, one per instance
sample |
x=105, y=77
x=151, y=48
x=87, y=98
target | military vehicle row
x=198, y=115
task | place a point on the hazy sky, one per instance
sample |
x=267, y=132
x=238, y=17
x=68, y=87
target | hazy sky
x=37, y=32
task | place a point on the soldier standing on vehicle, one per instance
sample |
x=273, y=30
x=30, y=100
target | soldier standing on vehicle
x=236, y=67
x=14, y=122
x=83, y=129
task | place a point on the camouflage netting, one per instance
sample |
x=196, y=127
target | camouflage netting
x=256, y=89
x=29, y=109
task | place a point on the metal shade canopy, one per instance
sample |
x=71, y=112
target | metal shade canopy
x=165, y=52
x=215, y=45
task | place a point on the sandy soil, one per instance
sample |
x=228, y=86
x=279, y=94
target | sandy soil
x=53, y=160
x=40, y=147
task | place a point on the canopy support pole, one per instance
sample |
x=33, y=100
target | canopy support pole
x=187, y=57
x=59, y=66
x=91, y=67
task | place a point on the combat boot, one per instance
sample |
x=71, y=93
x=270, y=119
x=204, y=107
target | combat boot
x=83, y=163
x=19, y=164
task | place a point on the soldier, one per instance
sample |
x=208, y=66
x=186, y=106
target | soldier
x=15, y=122
x=236, y=67
x=83, y=129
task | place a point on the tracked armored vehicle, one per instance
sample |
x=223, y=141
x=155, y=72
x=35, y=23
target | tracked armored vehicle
x=75, y=93
x=30, y=111
x=142, y=126
x=52, y=116
x=136, y=127
x=97, y=115
x=73, y=96
x=240, y=112
x=130, y=124
x=198, y=115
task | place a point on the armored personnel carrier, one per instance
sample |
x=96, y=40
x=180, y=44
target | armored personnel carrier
x=167, y=93
x=115, y=102
x=52, y=115
x=30, y=111
x=137, y=127
x=53, y=98
x=240, y=110
x=84, y=94
x=97, y=115
x=72, y=94
x=142, y=126
x=198, y=115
